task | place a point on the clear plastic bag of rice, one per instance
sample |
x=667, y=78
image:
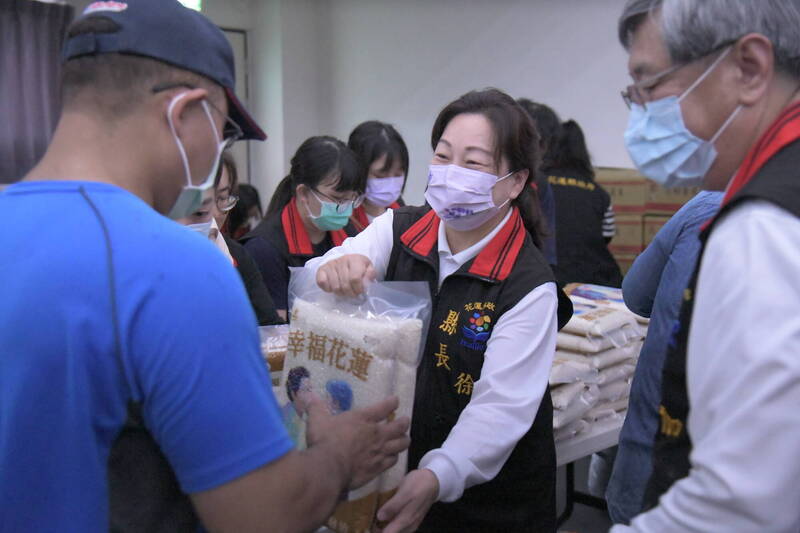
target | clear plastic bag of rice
x=353, y=353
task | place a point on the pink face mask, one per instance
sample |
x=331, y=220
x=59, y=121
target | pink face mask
x=462, y=197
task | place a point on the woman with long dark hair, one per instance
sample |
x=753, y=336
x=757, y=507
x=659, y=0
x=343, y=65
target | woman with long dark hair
x=584, y=216
x=382, y=151
x=482, y=456
x=309, y=212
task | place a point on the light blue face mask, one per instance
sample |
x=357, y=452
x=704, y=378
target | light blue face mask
x=332, y=216
x=663, y=148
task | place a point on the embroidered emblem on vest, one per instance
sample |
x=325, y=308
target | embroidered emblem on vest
x=671, y=427
x=464, y=384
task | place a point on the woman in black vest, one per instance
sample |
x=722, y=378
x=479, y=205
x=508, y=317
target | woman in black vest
x=482, y=456
x=584, y=216
x=309, y=212
x=382, y=151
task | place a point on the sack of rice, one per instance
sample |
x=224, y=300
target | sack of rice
x=605, y=410
x=615, y=373
x=564, y=395
x=570, y=430
x=604, y=359
x=570, y=372
x=273, y=349
x=354, y=354
x=617, y=390
x=576, y=409
x=589, y=319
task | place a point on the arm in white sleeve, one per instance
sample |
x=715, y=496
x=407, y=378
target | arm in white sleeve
x=743, y=378
x=504, y=400
x=375, y=242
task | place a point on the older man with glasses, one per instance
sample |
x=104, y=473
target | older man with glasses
x=715, y=101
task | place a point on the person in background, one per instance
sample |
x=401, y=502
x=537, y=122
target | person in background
x=309, y=212
x=715, y=101
x=584, y=216
x=246, y=214
x=131, y=372
x=226, y=187
x=382, y=151
x=482, y=456
x=543, y=188
x=654, y=288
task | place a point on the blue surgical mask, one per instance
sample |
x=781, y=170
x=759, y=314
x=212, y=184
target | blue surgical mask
x=663, y=148
x=332, y=216
x=191, y=196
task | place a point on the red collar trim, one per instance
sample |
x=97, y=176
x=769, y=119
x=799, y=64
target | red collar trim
x=497, y=259
x=395, y=206
x=494, y=262
x=421, y=236
x=294, y=230
x=784, y=131
x=338, y=236
x=359, y=218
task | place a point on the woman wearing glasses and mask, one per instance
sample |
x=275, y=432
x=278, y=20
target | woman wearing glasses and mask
x=482, y=456
x=207, y=221
x=309, y=212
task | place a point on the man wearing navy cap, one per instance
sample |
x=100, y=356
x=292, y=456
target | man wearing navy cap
x=128, y=345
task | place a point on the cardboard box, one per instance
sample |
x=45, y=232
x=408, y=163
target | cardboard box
x=627, y=188
x=632, y=193
x=652, y=224
x=663, y=201
x=630, y=234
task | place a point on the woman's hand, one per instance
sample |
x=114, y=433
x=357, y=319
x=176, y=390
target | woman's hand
x=406, y=509
x=346, y=276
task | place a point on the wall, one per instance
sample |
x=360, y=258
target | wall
x=403, y=61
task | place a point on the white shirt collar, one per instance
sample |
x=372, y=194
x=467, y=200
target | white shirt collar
x=465, y=255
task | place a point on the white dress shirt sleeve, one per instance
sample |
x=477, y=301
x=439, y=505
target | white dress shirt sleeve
x=743, y=378
x=375, y=242
x=504, y=400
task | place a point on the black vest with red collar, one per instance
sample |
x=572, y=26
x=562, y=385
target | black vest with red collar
x=771, y=172
x=465, y=310
x=286, y=232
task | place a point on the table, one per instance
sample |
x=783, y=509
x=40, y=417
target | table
x=601, y=435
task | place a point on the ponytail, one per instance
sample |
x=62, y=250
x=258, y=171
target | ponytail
x=282, y=196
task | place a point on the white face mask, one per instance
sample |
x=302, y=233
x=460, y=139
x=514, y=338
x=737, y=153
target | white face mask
x=462, y=197
x=384, y=192
x=191, y=195
x=203, y=228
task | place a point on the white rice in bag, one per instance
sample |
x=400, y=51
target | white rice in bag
x=605, y=410
x=617, y=390
x=576, y=409
x=571, y=371
x=570, y=430
x=615, y=373
x=564, y=395
x=588, y=319
x=603, y=359
x=355, y=362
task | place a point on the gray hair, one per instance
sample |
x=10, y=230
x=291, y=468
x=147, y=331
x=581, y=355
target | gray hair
x=693, y=28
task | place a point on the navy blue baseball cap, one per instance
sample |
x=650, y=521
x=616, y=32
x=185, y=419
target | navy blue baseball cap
x=167, y=31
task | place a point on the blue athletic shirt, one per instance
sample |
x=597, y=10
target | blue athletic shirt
x=188, y=342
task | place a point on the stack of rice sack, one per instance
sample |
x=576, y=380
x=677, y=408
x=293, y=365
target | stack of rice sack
x=596, y=355
x=351, y=361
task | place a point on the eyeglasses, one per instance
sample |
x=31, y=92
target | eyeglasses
x=226, y=203
x=636, y=93
x=341, y=206
x=231, y=131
